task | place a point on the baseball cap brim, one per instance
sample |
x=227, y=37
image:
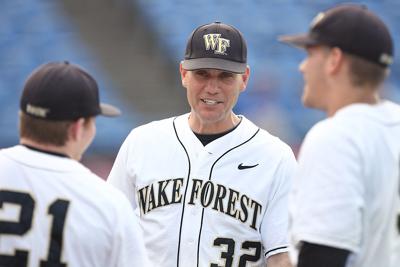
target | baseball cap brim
x=299, y=40
x=214, y=63
x=109, y=110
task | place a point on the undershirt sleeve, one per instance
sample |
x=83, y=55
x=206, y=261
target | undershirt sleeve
x=314, y=255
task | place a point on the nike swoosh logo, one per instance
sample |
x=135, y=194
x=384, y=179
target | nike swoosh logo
x=242, y=167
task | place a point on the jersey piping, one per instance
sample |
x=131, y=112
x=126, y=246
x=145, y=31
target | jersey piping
x=209, y=178
x=184, y=197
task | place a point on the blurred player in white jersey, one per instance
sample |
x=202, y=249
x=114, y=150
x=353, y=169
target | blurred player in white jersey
x=344, y=201
x=210, y=187
x=53, y=210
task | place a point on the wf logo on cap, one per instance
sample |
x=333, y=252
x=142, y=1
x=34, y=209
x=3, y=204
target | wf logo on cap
x=214, y=42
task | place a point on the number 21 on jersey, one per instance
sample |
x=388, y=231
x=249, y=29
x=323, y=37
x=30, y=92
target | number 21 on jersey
x=57, y=210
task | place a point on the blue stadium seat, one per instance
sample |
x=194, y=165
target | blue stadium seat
x=33, y=32
x=274, y=65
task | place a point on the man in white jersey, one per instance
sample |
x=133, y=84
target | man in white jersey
x=53, y=210
x=344, y=201
x=210, y=187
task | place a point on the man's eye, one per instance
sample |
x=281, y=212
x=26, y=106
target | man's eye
x=201, y=73
x=226, y=75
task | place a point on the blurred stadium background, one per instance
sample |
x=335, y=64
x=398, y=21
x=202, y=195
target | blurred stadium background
x=133, y=48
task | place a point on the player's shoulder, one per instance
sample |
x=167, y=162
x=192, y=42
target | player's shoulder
x=347, y=129
x=265, y=141
x=5, y=159
x=97, y=186
x=274, y=143
x=110, y=193
x=328, y=131
x=78, y=182
x=8, y=150
x=104, y=195
x=364, y=115
x=355, y=121
x=343, y=123
x=22, y=157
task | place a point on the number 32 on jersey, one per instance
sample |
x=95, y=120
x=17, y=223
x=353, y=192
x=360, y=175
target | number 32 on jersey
x=227, y=255
x=57, y=210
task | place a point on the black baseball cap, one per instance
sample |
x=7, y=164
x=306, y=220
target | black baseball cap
x=63, y=91
x=216, y=46
x=352, y=28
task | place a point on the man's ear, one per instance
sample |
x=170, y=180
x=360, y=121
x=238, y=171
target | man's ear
x=335, y=60
x=245, y=79
x=76, y=129
x=183, y=74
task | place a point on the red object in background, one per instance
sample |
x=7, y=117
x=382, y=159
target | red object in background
x=99, y=164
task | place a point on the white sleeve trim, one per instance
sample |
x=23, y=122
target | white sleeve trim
x=276, y=250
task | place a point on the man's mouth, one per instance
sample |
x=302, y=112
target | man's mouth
x=210, y=101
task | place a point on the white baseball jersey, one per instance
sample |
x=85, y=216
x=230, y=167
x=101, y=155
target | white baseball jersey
x=346, y=192
x=55, y=212
x=223, y=204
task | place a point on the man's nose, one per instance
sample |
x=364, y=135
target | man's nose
x=212, y=86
